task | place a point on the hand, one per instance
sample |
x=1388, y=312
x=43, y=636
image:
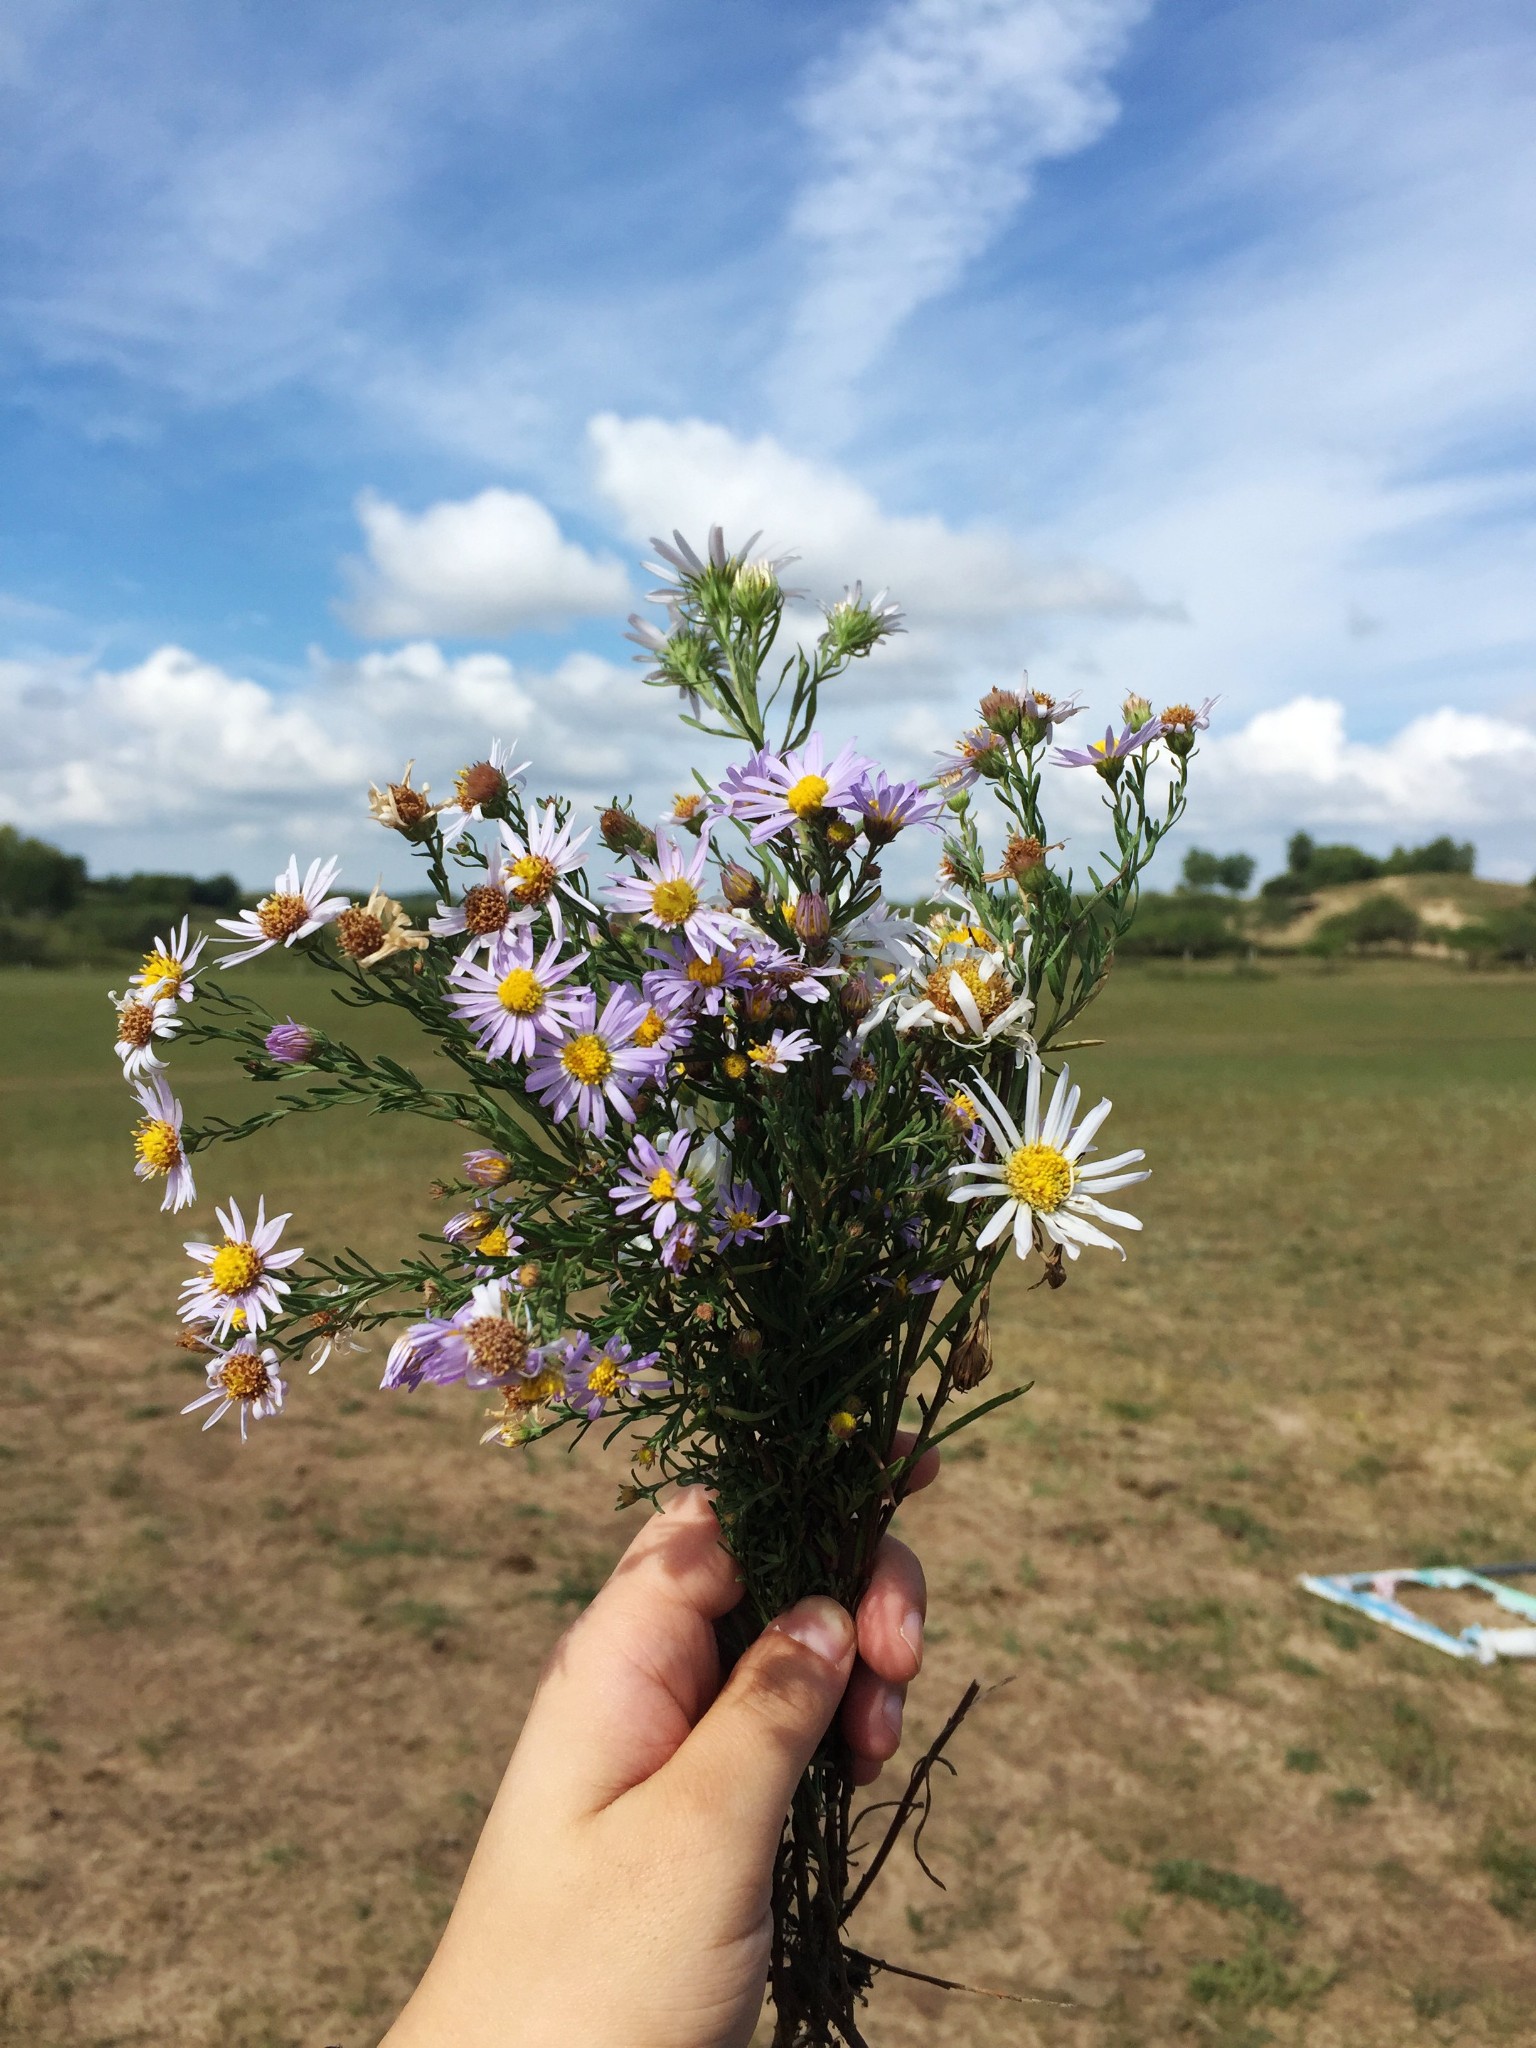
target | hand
x=619, y=1895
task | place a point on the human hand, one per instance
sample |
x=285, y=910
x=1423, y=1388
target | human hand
x=620, y=1893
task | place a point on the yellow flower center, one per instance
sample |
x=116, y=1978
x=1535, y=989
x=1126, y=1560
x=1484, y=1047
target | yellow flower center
x=135, y=1024
x=543, y=1386
x=1040, y=1176
x=280, y=916
x=707, y=973
x=157, y=1145
x=686, y=807
x=485, y=910
x=991, y=996
x=650, y=1028
x=740, y=1219
x=521, y=992
x=244, y=1377
x=235, y=1267
x=663, y=1186
x=499, y=1346
x=534, y=877
x=764, y=1055
x=841, y=833
x=495, y=1244
x=806, y=797
x=162, y=976
x=606, y=1379
x=586, y=1059
x=735, y=1064
x=674, y=902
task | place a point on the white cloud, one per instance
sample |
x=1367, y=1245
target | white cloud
x=657, y=474
x=925, y=128
x=491, y=564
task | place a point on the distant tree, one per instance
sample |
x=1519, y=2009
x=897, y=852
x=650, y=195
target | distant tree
x=1202, y=870
x=1443, y=856
x=37, y=879
x=1298, y=853
x=1236, y=872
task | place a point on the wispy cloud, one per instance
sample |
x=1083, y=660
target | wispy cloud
x=925, y=129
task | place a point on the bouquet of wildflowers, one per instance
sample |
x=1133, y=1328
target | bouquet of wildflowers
x=747, y=1142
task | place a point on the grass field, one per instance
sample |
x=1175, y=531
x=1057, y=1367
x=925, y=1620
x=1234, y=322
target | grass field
x=253, y=1703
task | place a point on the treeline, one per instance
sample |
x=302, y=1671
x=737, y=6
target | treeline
x=52, y=911
x=1205, y=917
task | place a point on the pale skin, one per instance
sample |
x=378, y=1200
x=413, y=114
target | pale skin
x=619, y=1894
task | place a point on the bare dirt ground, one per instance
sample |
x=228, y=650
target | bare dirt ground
x=253, y=1703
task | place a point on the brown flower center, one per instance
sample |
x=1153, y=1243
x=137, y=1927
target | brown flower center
x=534, y=878
x=359, y=932
x=410, y=805
x=281, y=916
x=500, y=1347
x=135, y=1024
x=244, y=1377
x=479, y=784
x=485, y=910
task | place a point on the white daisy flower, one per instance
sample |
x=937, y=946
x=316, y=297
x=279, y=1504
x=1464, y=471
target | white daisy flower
x=239, y=1278
x=1040, y=1174
x=292, y=911
x=169, y=968
x=244, y=1378
x=157, y=1143
x=668, y=893
x=475, y=787
x=141, y=1019
x=963, y=985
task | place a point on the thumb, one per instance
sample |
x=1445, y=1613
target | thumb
x=742, y=1761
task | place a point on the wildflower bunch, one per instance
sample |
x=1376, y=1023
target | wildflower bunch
x=744, y=1143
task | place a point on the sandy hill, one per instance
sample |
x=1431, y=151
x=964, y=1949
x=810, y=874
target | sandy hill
x=1443, y=902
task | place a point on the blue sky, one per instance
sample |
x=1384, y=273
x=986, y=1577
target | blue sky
x=348, y=356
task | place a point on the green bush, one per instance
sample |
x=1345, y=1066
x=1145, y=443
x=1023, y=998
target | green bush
x=36, y=880
x=1186, y=926
x=1379, y=920
x=1502, y=935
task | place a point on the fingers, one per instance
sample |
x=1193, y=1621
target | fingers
x=925, y=1471
x=742, y=1762
x=639, y=1666
x=890, y=1638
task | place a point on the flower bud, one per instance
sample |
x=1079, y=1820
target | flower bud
x=485, y=1168
x=855, y=999
x=1023, y=864
x=757, y=1005
x=527, y=1276
x=960, y=802
x=746, y=1343
x=628, y=1496
x=622, y=832
x=970, y=1357
x=842, y=1425
x=813, y=920
x=290, y=1044
x=1001, y=712
x=1137, y=712
x=740, y=887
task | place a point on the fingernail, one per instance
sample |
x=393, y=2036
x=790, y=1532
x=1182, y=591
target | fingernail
x=890, y=1708
x=911, y=1633
x=821, y=1625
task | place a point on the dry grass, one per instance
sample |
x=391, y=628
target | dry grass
x=252, y=1704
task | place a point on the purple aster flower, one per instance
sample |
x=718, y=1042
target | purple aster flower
x=768, y=970
x=485, y=1343
x=677, y=1253
x=890, y=807
x=597, y=1061
x=739, y=784
x=856, y=1067
x=485, y=1168
x=668, y=893
x=794, y=788
x=597, y=1374
x=653, y=1182
x=959, y=1113
x=906, y=1285
x=508, y=1005
x=738, y=1217
x=290, y=1044
x=1109, y=753
x=977, y=752
x=689, y=982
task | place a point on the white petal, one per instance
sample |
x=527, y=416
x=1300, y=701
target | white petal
x=1087, y=1129
x=997, y=1224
